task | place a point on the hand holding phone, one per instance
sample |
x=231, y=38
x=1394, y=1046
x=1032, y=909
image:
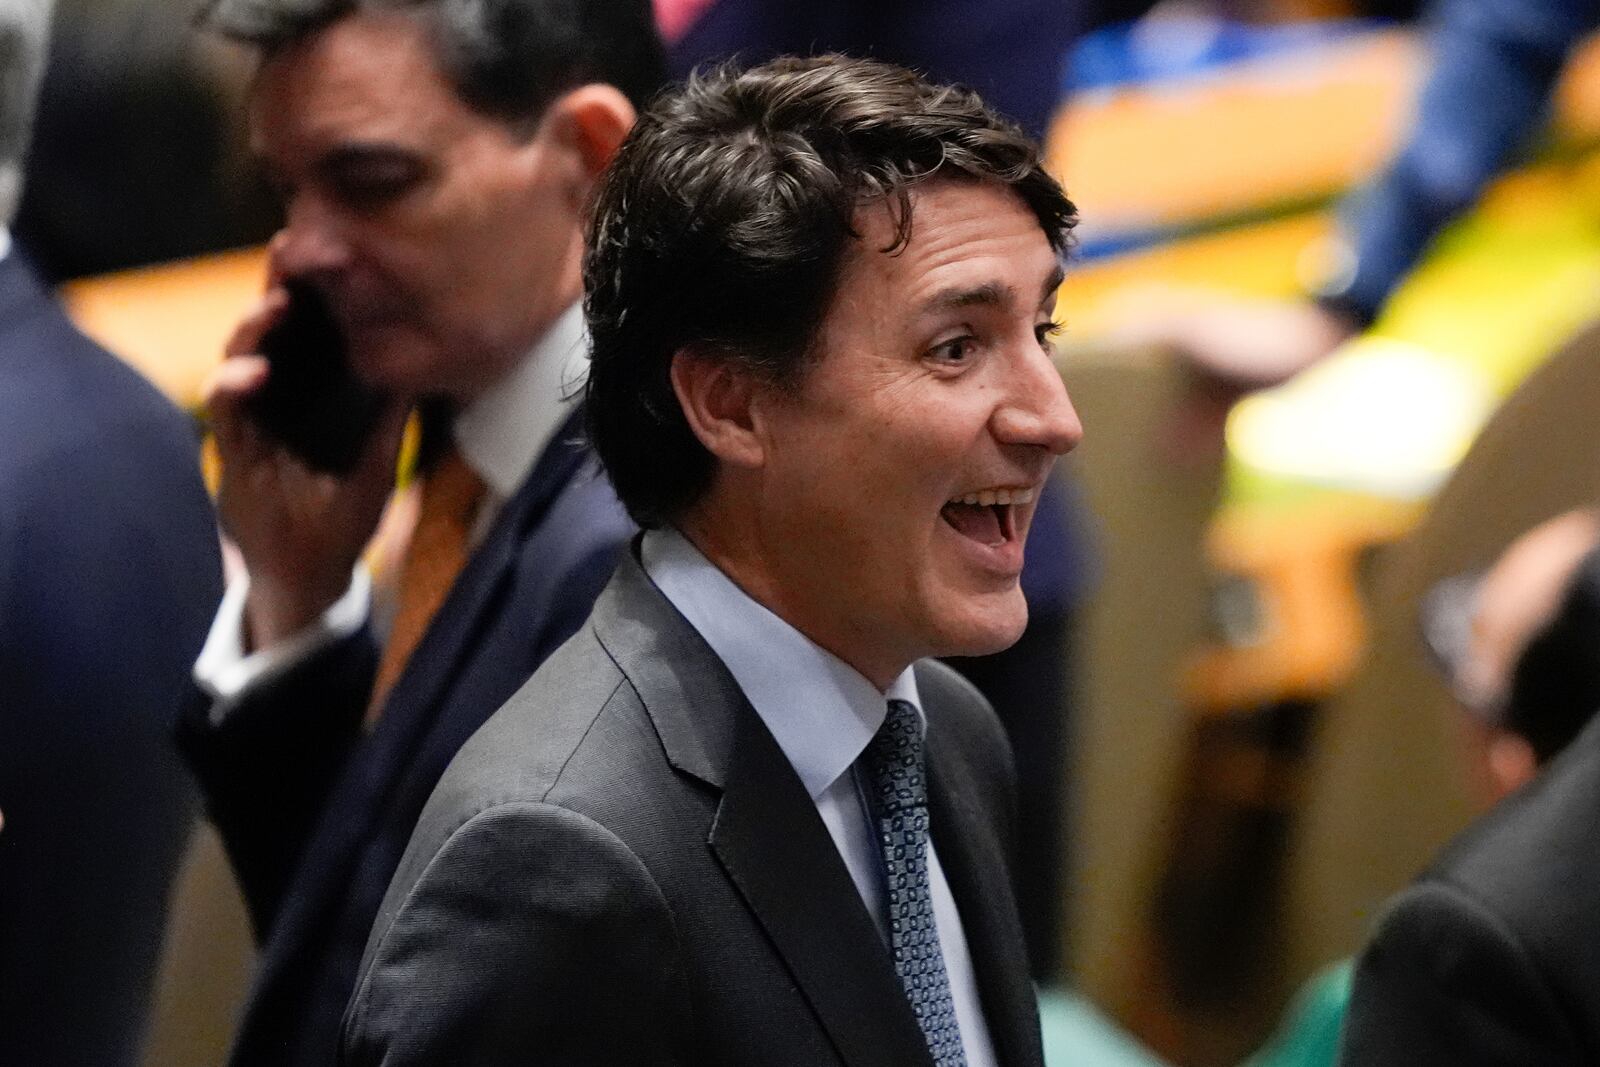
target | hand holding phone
x=307, y=461
x=312, y=403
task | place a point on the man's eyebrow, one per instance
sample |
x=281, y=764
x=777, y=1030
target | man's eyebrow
x=989, y=294
x=357, y=153
x=1052, y=283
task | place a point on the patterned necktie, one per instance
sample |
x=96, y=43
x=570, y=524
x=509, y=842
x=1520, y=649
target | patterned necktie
x=897, y=791
x=451, y=493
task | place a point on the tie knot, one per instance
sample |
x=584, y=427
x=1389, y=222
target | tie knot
x=451, y=491
x=437, y=552
x=894, y=760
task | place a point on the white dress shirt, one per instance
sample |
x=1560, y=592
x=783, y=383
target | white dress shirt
x=500, y=436
x=5, y=243
x=823, y=713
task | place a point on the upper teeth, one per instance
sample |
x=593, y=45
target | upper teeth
x=996, y=496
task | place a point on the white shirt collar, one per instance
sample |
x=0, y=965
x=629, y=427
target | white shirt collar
x=821, y=711
x=5, y=243
x=504, y=430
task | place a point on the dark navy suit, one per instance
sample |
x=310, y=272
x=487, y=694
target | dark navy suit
x=316, y=814
x=108, y=575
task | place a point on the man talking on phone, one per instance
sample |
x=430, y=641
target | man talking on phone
x=435, y=160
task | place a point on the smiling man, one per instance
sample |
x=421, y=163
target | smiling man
x=741, y=817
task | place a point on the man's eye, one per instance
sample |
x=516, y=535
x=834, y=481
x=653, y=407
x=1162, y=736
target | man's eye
x=374, y=183
x=1045, y=332
x=374, y=190
x=955, y=350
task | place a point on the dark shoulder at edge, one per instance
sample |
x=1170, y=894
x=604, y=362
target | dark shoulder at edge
x=1507, y=854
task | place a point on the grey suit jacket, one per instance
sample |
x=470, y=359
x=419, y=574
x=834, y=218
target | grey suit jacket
x=621, y=867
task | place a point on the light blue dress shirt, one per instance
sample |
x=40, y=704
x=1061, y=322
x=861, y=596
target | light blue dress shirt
x=822, y=712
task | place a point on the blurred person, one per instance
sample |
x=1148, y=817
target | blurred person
x=1011, y=51
x=134, y=160
x=1519, y=647
x=1014, y=52
x=1525, y=668
x=1493, y=67
x=109, y=570
x=740, y=818
x=1487, y=958
x=435, y=160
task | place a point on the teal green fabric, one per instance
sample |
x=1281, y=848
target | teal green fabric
x=1077, y=1035
x=1309, y=1033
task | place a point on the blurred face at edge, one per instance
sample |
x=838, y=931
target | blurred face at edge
x=445, y=241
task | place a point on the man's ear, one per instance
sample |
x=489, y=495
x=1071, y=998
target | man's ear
x=589, y=123
x=718, y=399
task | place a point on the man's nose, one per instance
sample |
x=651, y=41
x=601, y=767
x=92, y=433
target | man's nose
x=1037, y=411
x=309, y=243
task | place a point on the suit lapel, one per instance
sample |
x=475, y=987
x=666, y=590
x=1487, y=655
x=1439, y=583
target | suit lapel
x=362, y=796
x=449, y=636
x=975, y=867
x=767, y=834
x=774, y=847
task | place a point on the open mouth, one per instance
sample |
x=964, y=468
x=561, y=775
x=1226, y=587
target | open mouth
x=988, y=517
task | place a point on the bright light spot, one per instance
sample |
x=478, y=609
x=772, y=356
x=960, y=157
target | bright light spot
x=1380, y=416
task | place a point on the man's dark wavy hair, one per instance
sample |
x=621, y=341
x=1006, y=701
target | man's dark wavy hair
x=722, y=223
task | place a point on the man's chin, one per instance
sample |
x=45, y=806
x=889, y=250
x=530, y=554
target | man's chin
x=994, y=625
x=396, y=362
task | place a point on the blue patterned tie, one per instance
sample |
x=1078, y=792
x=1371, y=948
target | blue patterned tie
x=898, y=793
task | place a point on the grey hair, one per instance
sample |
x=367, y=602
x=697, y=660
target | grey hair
x=507, y=58
x=24, y=33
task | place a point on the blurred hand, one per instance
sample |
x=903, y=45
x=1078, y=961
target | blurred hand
x=1234, y=345
x=299, y=531
x=1229, y=346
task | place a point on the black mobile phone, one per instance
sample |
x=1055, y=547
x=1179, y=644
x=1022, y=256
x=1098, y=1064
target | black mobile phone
x=312, y=403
